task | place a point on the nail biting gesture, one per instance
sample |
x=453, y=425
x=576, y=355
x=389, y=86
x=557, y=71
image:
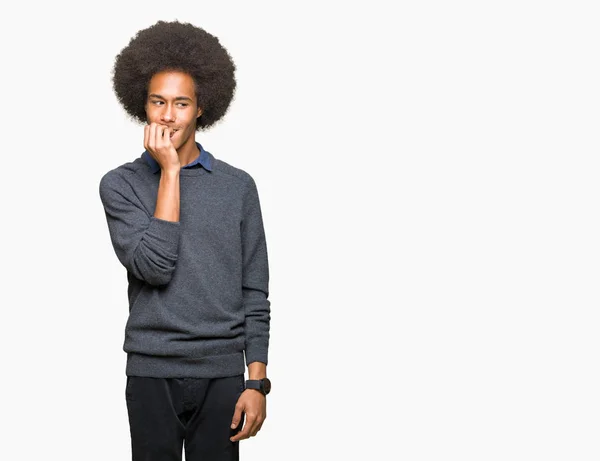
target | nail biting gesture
x=157, y=141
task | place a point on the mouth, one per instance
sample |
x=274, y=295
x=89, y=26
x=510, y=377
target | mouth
x=172, y=133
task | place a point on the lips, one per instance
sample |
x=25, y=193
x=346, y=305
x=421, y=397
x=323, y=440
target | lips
x=172, y=133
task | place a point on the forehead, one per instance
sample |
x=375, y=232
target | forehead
x=172, y=84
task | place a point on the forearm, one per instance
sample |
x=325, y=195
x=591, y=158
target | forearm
x=167, y=200
x=257, y=370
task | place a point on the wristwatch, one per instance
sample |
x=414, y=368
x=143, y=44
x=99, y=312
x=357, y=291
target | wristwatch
x=262, y=385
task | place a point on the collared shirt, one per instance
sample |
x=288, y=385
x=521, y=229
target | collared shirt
x=203, y=159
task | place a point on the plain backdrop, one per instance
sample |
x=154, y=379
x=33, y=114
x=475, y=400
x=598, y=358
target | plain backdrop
x=428, y=175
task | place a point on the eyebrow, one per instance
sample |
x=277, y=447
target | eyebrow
x=178, y=98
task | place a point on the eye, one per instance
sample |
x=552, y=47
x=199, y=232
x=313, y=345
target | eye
x=183, y=104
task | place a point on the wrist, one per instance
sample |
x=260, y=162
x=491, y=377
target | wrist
x=171, y=172
x=256, y=376
x=257, y=370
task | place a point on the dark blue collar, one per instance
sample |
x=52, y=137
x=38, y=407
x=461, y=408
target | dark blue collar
x=203, y=159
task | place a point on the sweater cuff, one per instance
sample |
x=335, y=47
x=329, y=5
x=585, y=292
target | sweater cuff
x=256, y=355
x=165, y=233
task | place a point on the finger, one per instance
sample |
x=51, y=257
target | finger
x=257, y=425
x=237, y=416
x=152, y=136
x=159, y=136
x=146, y=137
x=241, y=435
x=245, y=433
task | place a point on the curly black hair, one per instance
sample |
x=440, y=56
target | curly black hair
x=175, y=46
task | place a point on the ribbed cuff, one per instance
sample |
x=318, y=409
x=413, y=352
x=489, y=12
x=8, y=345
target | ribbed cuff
x=256, y=355
x=166, y=233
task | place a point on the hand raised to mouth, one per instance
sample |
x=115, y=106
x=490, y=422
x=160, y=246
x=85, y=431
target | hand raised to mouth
x=157, y=141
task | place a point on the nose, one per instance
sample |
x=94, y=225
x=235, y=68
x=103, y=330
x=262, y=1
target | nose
x=167, y=114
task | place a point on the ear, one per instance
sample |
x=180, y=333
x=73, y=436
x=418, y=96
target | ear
x=199, y=113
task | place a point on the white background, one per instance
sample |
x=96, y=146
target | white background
x=428, y=177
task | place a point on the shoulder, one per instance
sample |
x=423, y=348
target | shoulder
x=236, y=174
x=120, y=178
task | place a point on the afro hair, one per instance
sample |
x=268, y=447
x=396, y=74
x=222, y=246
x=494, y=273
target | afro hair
x=175, y=46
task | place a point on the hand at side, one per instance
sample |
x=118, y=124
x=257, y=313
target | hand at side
x=254, y=404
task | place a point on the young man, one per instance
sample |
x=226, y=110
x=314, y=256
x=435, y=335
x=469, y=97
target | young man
x=188, y=228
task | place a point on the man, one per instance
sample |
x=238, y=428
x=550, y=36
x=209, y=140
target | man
x=188, y=228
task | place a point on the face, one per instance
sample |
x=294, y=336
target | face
x=171, y=101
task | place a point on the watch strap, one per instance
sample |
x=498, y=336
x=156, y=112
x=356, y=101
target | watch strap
x=253, y=384
x=257, y=384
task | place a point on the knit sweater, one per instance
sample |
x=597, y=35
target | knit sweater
x=197, y=287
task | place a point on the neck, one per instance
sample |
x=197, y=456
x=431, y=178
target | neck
x=188, y=152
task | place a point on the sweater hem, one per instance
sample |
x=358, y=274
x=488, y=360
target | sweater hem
x=215, y=366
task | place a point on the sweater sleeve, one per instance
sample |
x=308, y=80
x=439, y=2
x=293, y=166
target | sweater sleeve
x=255, y=278
x=147, y=246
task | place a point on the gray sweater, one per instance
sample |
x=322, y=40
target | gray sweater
x=198, y=287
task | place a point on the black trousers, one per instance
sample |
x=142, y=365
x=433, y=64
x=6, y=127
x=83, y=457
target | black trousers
x=165, y=412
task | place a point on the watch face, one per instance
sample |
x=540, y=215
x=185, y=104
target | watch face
x=267, y=385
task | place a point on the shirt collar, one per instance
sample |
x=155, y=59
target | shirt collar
x=203, y=159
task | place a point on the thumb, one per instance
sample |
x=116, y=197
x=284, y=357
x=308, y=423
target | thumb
x=237, y=416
